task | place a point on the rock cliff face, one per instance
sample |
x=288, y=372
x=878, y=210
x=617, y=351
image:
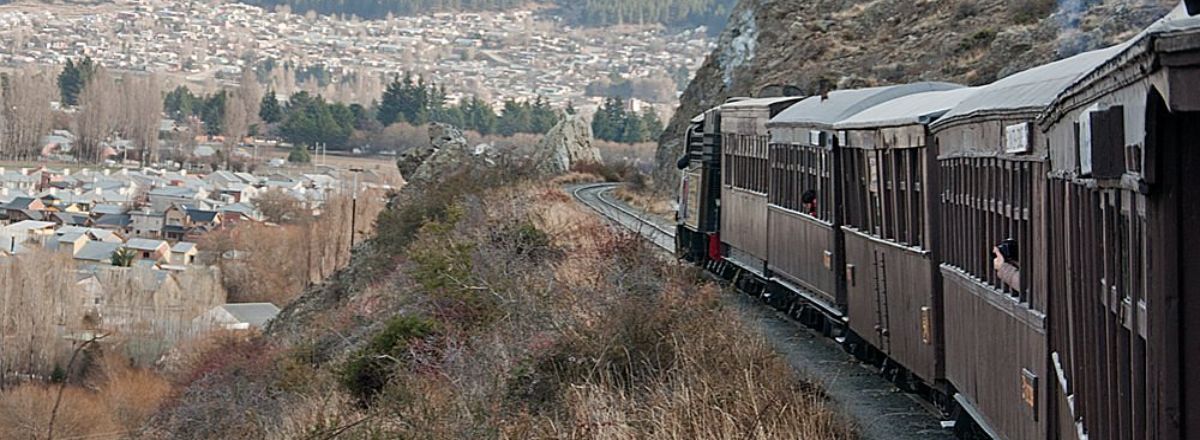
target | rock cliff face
x=806, y=46
x=568, y=143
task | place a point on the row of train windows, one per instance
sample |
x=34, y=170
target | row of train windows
x=1098, y=241
x=746, y=162
x=986, y=201
x=800, y=179
x=884, y=193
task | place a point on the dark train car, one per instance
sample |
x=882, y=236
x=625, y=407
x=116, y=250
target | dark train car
x=1121, y=241
x=804, y=235
x=889, y=210
x=744, y=168
x=992, y=167
x=696, y=214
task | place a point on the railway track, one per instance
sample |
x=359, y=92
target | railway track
x=597, y=197
x=876, y=407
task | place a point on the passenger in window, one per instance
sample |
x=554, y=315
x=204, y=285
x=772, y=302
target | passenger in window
x=1007, y=266
x=808, y=201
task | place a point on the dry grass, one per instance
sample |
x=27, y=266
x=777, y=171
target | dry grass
x=647, y=201
x=116, y=403
x=545, y=323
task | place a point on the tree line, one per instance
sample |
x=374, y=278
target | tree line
x=614, y=122
x=417, y=102
x=681, y=13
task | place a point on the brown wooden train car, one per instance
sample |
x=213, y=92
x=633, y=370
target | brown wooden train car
x=992, y=163
x=1121, y=238
x=806, y=247
x=888, y=168
x=745, y=172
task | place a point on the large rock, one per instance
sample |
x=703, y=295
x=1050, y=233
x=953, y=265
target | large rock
x=447, y=152
x=567, y=144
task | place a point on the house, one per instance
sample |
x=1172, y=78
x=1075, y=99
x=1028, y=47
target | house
x=153, y=250
x=69, y=219
x=238, y=316
x=238, y=212
x=175, y=222
x=97, y=252
x=24, y=208
x=162, y=198
x=70, y=243
x=112, y=222
x=184, y=253
x=146, y=223
x=30, y=230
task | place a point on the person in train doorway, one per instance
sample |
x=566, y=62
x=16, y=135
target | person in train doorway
x=808, y=202
x=1007, y=265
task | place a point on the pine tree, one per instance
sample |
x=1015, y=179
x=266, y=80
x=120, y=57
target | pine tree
x=270, y=111
x=390, y=106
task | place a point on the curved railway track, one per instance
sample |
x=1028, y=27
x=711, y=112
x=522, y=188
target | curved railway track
x=596, y=196
x=871, y=402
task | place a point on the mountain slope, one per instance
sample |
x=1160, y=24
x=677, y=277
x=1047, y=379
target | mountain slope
x=815, y=45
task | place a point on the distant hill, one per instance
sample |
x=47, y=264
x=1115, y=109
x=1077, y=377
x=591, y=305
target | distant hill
x=684, y=13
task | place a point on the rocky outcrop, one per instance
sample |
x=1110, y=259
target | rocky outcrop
x=567, y=144
x=447, y=152
x=802, y=47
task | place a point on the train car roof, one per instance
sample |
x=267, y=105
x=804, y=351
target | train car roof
x=1177, y=22
x=760, y=102
x=1031, y=90
x=841, y=104
x=920, y=108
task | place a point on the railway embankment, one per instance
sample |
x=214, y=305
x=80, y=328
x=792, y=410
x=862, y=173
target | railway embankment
x=876, y=407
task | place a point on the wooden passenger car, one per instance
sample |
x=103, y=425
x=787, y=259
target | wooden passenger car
x=805, y=247
x=992, y=163
x=890, y=222
x=1124, y=148
x=745, y=171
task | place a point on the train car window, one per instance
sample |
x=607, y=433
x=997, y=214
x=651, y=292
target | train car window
x=798, y=170
x=884, y=193
x=986, y=201
x=746, y=161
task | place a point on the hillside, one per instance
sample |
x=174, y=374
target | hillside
x=684, y=13
x=842, y=44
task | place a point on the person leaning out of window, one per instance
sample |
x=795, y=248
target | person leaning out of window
x=1007, y=266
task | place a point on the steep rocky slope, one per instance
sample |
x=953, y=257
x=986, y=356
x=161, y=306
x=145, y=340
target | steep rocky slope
x=823, y=44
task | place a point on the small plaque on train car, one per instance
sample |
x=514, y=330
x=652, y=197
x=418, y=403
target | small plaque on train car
x=1016, y=138
x=1029, y=390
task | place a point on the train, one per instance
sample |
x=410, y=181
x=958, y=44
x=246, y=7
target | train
x=1022, y=253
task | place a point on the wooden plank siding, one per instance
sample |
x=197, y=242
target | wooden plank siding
x=891, y=301
x=992, y=341
x=801, y=251
x=744, y=221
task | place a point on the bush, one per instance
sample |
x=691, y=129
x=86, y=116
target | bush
x=299, y=154
x=370, y=370
x=978, y=40
x=1030, y=11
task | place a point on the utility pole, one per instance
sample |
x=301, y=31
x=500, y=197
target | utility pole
x=354, y=207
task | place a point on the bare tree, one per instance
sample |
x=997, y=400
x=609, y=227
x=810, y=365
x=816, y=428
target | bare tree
x=97, y=117
x=235, y=124
x=6, y=148
x=27, y=112
x=140, y=114
x=250, y=93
